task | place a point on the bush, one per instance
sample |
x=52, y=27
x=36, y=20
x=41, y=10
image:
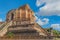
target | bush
x=56, y=32
x=10, y=34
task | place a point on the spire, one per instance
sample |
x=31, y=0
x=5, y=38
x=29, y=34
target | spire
x=25, y=6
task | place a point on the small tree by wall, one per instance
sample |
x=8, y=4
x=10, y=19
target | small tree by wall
x=10, y=35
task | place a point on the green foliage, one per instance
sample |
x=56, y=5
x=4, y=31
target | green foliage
x=49, y=29
x=57, y=33
x=10, y=35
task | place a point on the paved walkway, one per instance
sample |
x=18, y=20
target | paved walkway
x=26, y=39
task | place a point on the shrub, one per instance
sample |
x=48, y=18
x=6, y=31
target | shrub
x=10, y=34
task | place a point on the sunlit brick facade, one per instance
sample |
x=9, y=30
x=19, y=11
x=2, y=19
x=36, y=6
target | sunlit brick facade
x=23, y=21
x=20, y=15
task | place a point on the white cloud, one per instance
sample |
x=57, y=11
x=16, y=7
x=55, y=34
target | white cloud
x=43, y=21
x=39, y=2
x=0, y=20
x=55, y=26
x=46, y=20
x=52, y=7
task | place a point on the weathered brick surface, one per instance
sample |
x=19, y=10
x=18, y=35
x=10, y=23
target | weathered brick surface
x=26, y=39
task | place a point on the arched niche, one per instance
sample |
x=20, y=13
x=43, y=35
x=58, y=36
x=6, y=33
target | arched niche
x=12, y=16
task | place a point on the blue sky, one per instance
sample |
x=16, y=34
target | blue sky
x=47, y=12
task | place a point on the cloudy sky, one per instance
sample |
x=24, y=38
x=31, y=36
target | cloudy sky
x=47, y=12
x=50, y=12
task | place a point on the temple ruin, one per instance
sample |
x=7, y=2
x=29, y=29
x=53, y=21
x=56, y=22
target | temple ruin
x=21, y=21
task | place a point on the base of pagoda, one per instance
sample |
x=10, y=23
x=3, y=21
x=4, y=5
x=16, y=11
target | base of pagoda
x=27, y=36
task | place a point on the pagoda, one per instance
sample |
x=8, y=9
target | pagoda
x=21, y=22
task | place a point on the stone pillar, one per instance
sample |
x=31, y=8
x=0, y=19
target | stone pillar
x=16, y=14
x=26, y=14
x=20, y=13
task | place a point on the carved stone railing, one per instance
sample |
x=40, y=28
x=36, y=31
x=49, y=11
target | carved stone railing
x=2, y=24
x=4, y=29
x=41, y=30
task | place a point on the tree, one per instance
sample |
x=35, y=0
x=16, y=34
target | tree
x=55, y=32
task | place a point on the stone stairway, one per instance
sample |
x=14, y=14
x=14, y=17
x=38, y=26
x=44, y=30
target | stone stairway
x=4, y=28
x=40, y=29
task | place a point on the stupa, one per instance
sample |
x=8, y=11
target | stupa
x=21, y=22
